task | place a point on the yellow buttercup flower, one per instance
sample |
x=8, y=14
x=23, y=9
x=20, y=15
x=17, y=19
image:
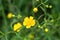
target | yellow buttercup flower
x=46, y=30
x=28, y=22
x=35, y=9
x=17, y=26
x=9, y=15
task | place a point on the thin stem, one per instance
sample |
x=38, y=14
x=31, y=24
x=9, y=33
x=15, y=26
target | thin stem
x=5, y=21
x=4, y=17
x=38, y=5
x=46, y=1
x=18, y=9
x=2, y=33
x=41, y=1
x=43, y=10
x=10, y=32
x=18, y=35
x=6, y=37
x=40, y=16
x=33, y=3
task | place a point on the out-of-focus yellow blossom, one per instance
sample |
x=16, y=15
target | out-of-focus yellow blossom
x=35, y=9
x=17, y=26
x=46, y=30
x=10, y=15
x=28, y=22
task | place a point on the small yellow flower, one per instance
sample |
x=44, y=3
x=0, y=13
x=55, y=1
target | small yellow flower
x=10, y=15
x=35, y=9
x=46, y=30
x=28, y=22
x=17, y=26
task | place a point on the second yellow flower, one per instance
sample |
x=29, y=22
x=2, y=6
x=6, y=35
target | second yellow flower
x=28, y=22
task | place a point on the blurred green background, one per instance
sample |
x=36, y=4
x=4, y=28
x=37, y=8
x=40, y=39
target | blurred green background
x=25, y=8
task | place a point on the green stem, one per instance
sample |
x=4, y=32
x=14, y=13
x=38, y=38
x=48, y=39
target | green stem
x=43, y=10
x=46, y=1
x=18, y=35
x=4, y=17
x=2, y=33
x=6, y=37
x=5, y=21
x=40, y=16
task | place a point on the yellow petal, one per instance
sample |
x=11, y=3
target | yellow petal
x=31, y=17
x=24, y=23
x=46, y=30
x=9, y=15
x=18, y=30
x=17, y=26
x=33, y=22
x=26, y=18
x=28, y=27
x=35, y=9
